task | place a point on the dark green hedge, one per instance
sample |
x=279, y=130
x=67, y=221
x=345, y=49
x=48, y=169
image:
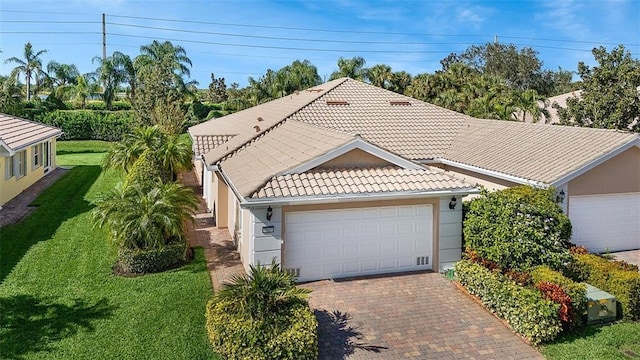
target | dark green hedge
x=137, y=261
x=289, y=334
x=90, y=125
x=525, y=309
x=619, y=279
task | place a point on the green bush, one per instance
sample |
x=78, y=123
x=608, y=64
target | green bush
x=147, y=171
x=289, y=334
x=139, y=261
x=577, y=291
x=518, y=228
x=619, y=279
x=89, y=124
x=528, y=313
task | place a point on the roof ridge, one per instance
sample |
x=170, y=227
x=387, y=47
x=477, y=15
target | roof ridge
x=260, y=133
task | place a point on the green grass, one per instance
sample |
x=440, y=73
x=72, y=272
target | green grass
x=617, y=341
x=60, y=300
x=82, y=147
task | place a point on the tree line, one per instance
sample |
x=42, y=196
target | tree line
x=494, y=81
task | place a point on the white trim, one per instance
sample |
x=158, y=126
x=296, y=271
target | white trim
x=357, y=143
x=356, y=197
x=9, y=151
x=596, y=162
x=492, y=173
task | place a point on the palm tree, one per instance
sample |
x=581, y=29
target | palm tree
x=141, y=218
x=262, y=292
x=400, y=82
x=380, y=75
x=82, y=90
x=128, y=69
x=530, y=102
x=157, y=52
x=61, y=76
x=30, y=65
x=10, y=96
x=352, y=68
x=110, y=76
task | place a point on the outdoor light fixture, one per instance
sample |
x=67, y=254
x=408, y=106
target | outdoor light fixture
x=452, y=203
x=560, y=197
x=269, y=213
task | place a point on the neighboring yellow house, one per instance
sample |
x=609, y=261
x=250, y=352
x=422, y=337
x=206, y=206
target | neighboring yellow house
x=27, y=153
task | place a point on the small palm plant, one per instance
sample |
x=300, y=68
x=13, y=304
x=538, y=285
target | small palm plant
x=263, y=292
x=142, y=218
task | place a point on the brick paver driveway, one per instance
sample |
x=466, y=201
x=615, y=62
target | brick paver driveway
x=417, y=315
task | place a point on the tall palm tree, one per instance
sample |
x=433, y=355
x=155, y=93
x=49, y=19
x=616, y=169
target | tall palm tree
x=61, y=76
x=352, y=68
x=30, y=65
x=110, y=77
x=380, y=75
x=128, y=69
x=400, y=82
x=157, y=52
x=141, y=218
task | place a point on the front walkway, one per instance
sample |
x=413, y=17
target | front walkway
x=632, y=256
x=220, y=252
x=17, y=208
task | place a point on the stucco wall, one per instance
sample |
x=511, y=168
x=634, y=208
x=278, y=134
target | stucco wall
x=621, y=174
x=355, y=158
x=221, y=201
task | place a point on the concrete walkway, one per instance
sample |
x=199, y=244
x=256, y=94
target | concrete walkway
x=632, y=257
x=19, y=207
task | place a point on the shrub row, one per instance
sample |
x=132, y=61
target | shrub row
x=289, y=334
x=90, y=125
x=137, y=261
x=98, y=105
x=620, y=279
x=526, y=310
x=577, y=291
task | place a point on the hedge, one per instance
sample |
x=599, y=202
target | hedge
x=90, y=125
x=138, y=261
x=620, y=279
x=289, y=334
x=577, y=291
x=525, y=309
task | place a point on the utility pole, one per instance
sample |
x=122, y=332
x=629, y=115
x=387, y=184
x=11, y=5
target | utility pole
x=495, y=39
x=104, y=38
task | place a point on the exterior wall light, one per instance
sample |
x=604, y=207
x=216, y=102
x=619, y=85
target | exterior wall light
x=269, y=213
x=452, y=203
x=560, y=197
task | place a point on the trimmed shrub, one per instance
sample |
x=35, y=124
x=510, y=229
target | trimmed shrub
x=289, y=334
x=143, y=261
x=577, y=291
x=90, y=125
x=518, y=228
x=555, y=293
x=618, y=278
x=147, y=171
x=526, y=310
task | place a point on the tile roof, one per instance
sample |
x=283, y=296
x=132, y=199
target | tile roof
x=18, y=133
x=284, y=147
x=403, y=125
x=205, y=143
x=530, y=151
x=359, y=181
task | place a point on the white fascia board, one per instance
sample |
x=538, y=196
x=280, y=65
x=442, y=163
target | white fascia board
x=492, y=173
x=356, y=143
x=24, y=146
x=226, y=179
x=302, y=200
x=6, y=150
x=606, y=157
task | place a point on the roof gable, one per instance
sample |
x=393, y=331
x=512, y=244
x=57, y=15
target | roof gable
x=17, y=133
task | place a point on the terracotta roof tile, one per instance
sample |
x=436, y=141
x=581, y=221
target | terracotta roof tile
x=18, y=133
x=372, y=180
x=205, y=143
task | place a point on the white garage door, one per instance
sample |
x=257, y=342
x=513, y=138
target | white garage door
x=351, y=242
x=606, y=222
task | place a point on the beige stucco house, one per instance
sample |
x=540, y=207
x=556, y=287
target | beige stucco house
x=348, y=179
x=27, y=153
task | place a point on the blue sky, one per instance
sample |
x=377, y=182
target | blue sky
x=236, y=39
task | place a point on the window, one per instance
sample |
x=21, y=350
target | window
x=36, y=150
x=8, y=167
x=46, y=154
x=21, y=163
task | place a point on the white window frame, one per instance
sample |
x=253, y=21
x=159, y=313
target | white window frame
x=46, y=154
x=36, y=155
x=9, y=168
x=21, y=164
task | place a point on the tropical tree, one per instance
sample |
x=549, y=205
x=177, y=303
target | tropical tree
x=30, y=65
x=141, y=218
x=82, y=90
x=10, y=96
x=128, y=71
x=610, y=97
x=173, y=57
x=400, y=82
x=262, y=292
x=352, y=68
x=380, y=75
x=298, y=76
x=109, y=76
x=529, y=102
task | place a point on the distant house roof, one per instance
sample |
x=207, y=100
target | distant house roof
x=268, y=139
x=17, y=133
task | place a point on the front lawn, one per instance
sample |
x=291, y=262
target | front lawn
x=59, y=299
x=618, y=341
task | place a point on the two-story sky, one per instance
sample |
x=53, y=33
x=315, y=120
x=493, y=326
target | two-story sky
x=236, y=39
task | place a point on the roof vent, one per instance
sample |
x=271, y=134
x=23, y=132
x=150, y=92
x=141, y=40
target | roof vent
x=257, y=128
x=337, y=102
x=400, y=103
x=314, y=90
x=260, y=118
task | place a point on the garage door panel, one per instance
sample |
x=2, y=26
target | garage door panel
x=606, y=222
x=358, y=241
